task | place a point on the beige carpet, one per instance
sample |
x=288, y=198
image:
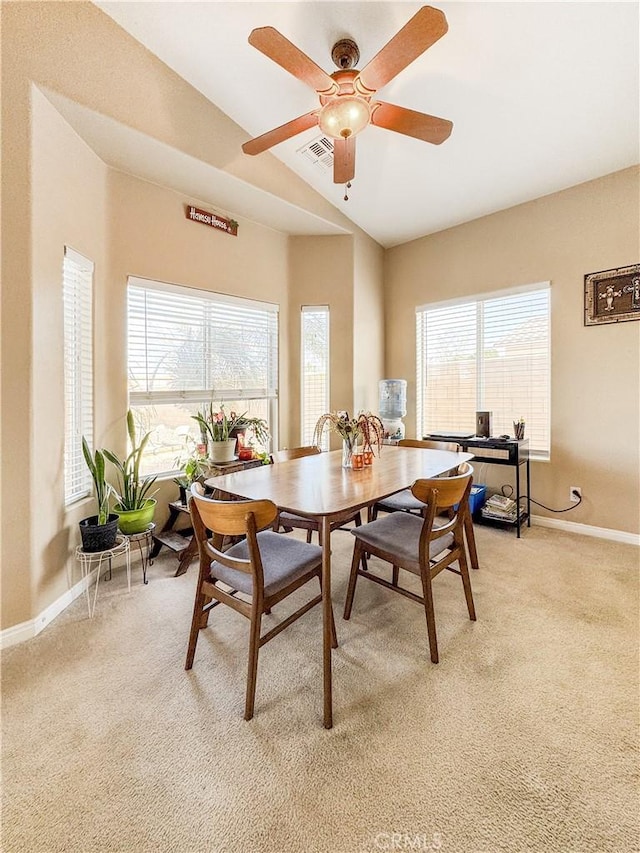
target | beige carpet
x=523, y=738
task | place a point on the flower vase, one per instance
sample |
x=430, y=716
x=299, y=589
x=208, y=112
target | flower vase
x=347, y=453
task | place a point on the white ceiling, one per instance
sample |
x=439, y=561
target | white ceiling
x=543, y=96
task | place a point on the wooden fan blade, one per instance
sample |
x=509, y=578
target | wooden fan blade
x=344, y=160
x=278, y=48
x=279, y=134
x=411, y=123
x=419, y=33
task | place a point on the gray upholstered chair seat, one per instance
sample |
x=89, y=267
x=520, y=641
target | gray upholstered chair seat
x=399, y=533
x=403, y=501
x=284, y=559
x=289, y=519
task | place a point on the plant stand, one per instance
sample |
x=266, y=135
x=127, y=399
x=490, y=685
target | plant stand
x=144, y=541
x=180, y=541
x=89, y=559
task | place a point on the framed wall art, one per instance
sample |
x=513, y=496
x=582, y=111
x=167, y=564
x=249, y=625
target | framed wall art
x=612, y=296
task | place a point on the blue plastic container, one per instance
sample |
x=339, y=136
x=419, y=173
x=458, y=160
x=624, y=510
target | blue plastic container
x=476, y=499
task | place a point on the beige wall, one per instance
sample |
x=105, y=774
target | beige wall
x=63, y=168
x=321, y=273
x=368, y=324
x=59, y=192
x=595, y=381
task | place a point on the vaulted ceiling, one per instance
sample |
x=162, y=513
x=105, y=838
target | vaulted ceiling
x=542, y=96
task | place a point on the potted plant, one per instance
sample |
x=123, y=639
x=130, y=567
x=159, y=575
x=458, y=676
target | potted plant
x=257, y=426
x=135, y=506
x=99, y=531
x=193, y=467
x=221, y=431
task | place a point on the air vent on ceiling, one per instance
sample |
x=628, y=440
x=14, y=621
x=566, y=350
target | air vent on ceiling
x=320, y=152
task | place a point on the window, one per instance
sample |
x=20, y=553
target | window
x=314, y=393
x=77, y=286
x=490, y=353
x=189, y=348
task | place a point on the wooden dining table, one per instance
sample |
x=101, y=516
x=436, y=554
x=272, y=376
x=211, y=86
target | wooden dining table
x=319, y=487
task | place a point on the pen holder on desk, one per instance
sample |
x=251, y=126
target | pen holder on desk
x=518, y=430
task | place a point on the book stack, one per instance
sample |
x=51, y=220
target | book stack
x=500, y=508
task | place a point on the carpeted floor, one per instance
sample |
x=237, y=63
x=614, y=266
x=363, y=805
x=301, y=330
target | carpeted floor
x=522, y=738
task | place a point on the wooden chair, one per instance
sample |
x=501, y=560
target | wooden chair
x=265, y=567
x=423, y=545
x=288, y=520
x=405, y=501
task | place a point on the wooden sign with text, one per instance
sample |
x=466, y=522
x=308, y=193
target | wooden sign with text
x=230, y=226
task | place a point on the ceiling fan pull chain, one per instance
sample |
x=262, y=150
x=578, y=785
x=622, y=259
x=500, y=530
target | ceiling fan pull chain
x=347, y=186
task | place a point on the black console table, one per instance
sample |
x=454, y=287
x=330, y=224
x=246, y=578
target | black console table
x=498, y=451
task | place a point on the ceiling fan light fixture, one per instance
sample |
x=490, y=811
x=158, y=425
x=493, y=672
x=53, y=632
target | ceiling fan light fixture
x=344, y=116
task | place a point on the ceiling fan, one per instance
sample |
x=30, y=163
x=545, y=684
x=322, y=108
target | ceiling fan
x=345, y=96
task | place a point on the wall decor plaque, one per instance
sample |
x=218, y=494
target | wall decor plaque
x=612, y=296
x=195, y=214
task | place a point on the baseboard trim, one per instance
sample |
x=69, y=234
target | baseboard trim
x=587, y=530
x=31, y=628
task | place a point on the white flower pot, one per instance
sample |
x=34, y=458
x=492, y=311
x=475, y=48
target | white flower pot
x=222, y=451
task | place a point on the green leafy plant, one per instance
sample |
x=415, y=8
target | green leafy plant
x=214, y=425
x=103, y=490
x=218, y=426
x=192, y=467
x=258, y=426
x=132, y=492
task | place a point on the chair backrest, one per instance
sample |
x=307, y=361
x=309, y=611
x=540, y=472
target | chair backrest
x=295, y=453
x=429, y=444
x=229, y=518
x=445, y=492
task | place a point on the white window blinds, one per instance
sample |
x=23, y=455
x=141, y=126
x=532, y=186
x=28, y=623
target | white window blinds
x=187, y=344
x=77, y=286
x=487, y=354
x=314, y=370
x=190, y=347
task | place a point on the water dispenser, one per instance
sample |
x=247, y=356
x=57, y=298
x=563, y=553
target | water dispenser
x=393, y=406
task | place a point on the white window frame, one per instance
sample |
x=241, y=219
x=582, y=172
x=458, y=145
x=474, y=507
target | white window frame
x=542, y=453
x=206, y=395
x=77, y=299
x=306, y=432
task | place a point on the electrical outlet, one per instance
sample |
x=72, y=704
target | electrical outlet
x=575, y=494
